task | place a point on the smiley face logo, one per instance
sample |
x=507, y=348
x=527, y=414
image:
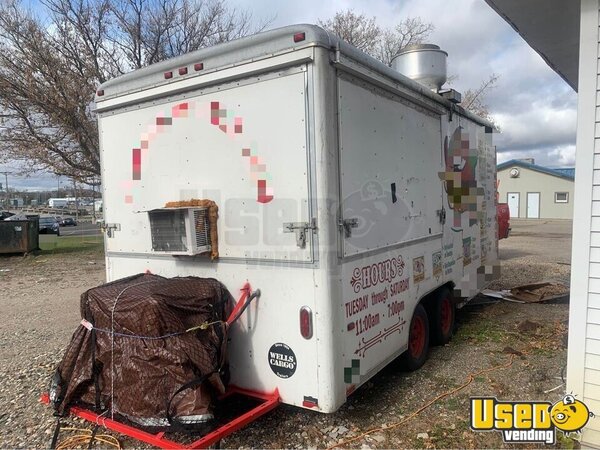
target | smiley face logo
x=570, y=415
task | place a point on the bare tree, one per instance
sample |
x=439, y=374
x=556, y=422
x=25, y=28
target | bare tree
x=384, y=44
x=50, y=68
x=474, y=99
x=381, y=43
x=356, y=29
x=408, y=32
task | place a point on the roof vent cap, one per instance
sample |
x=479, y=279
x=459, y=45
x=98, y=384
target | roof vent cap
x=423, y=63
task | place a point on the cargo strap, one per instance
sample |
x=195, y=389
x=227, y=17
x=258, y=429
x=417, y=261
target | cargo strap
x=95, y=372
x=173, y=422
x=93, y=436
x=55, y=435
x=57, y=432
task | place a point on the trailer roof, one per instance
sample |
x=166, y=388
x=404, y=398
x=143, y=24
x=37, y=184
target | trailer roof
x=260, y=46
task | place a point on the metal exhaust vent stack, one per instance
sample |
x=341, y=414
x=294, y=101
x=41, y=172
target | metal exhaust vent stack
x=424, y=63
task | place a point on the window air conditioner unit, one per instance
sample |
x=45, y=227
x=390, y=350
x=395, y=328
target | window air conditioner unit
x=180, y=231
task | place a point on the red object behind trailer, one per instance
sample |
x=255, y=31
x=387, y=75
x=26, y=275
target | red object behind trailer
x=503, y=214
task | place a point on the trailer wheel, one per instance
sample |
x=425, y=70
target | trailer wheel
x=418, y=340
x=442, y=317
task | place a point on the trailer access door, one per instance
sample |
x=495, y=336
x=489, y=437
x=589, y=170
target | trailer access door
x=390, y=163
x=242, y=144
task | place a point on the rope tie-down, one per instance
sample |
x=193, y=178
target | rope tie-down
x=141, y=328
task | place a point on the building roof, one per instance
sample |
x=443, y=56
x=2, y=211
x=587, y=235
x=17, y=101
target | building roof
x=550, y=27
x=567, y=173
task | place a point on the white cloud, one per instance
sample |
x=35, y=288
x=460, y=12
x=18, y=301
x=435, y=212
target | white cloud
x=535, y=108
x=563, y=156
x=537, y=127
x=533, y=105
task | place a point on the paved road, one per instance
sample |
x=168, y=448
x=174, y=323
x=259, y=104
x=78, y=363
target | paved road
x=82, y=229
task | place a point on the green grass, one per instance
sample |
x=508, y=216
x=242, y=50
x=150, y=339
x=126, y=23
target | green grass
x=480, y=330
x=50, y=244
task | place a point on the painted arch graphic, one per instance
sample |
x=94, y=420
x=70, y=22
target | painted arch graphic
x=222, y=118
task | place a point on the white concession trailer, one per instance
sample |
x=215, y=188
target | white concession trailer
x=360, y=202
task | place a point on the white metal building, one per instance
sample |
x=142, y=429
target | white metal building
x=536, y=192
x=566, y=35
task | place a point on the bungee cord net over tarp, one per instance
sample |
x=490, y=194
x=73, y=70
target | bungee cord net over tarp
x=151, y=350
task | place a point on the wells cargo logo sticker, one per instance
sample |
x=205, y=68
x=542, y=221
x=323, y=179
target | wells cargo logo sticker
x=282, y=360
x=529, y=422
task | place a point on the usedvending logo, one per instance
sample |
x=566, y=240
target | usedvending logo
x=529, y=422
x=282, y=360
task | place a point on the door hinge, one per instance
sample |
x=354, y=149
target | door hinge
x=300, y=228
x=347, y=225
x=110, y=228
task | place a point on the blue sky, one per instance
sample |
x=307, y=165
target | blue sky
x=534, y=107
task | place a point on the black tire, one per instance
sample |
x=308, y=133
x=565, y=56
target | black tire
x=443, y=315
x=418, y=340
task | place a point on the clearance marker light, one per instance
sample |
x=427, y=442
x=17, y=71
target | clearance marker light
x=306, y=327
x=299, y=37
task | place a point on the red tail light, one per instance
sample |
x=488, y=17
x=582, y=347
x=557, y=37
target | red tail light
x=198, y=66
x=183, y=71
x=100, y=93
x=299, y=37
x=168, y=75
x=306, y=325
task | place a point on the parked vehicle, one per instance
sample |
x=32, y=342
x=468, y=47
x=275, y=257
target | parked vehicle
x=58, y=202
x=503, y=214
x=68, y=222
x=360, y=202
x=49, y=225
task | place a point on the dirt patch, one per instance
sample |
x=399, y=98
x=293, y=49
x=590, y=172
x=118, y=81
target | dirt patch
x=507, y=350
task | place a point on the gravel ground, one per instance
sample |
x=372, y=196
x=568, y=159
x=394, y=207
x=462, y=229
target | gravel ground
x=40, y=303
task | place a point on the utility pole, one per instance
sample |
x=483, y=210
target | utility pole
x=94, y=202
x=76, y=202
x=6, y=187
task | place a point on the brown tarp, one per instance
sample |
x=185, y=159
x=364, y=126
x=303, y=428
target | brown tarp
x=143, y=352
